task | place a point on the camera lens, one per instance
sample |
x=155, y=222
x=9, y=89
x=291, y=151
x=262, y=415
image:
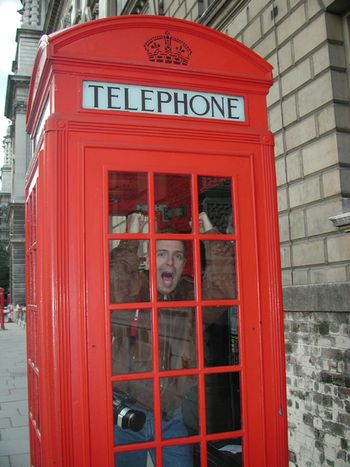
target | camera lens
x=133, y=419
x=127, y=418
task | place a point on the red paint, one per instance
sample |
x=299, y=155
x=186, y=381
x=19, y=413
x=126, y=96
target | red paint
x=68, y=309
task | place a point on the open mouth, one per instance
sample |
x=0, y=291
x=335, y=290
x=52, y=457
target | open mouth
x=167, y=278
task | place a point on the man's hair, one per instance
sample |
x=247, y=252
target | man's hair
x=169, y=229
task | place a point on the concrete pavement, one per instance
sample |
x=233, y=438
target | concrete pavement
x=14, y=436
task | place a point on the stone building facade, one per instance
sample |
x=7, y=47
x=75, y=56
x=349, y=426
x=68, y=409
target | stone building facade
x=5, y=193
x=308, y=44
x=18, y=153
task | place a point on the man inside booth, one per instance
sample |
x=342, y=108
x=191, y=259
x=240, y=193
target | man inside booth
x=132, y=344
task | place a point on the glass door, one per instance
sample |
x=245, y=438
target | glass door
x=173, y=349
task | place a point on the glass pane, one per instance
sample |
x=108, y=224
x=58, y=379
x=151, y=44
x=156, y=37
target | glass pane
x=173, y=206
x=220, y=328
x=34, y=276
x=127, y=193
x=136, y=458
x=129, y=278
x=179, y=399
x=131, y=341
x=174, y=270
x=218, y=263
x=222, y=392
x=133, y=411
x=185, y=455
x=227, y=452
x=215, y=199
x=177, y=338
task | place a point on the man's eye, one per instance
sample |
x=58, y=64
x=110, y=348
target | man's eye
x=160, y=254
x=180, y=256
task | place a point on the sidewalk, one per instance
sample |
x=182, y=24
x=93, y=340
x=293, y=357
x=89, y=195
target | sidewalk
x=14, y=437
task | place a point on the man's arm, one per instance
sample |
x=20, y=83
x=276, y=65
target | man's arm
x=219, y=279
x=126, y=280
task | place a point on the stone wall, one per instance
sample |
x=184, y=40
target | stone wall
x=15, y=109
x=16, y=254
x=318, y=388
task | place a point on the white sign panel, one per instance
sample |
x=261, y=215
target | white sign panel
x=164, y=101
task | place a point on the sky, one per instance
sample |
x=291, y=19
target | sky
x=9, y=22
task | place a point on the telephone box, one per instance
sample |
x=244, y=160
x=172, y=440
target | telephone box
x=154, y=312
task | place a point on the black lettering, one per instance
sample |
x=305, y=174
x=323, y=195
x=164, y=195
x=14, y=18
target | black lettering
x=96, y=88
x=110, y=96
x=220, y=108
x=178, y=101
x=126, y=100
x=232, y=107
x=161, y=101
x=144, y=98
x=206, y=102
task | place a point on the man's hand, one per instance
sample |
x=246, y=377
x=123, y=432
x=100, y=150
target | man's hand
x=204, y=223
x=137, y=223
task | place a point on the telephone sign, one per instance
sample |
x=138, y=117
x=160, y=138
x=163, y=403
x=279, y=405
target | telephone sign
x=154, y=317
x=132, y=98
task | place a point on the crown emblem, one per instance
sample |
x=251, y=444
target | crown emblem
x=168, y=49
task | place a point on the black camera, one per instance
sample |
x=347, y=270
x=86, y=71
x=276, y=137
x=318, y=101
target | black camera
x=126, y=417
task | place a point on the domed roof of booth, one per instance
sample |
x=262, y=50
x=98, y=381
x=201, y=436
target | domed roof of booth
x=157, y=40
x=156, y=50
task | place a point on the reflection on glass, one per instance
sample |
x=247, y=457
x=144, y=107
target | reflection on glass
x=219, y=270
x=177, y=338
x=185, y=455
x=179, y=404
x=223, y=410
x=132, y=407
x=220, y=328
x=226, y=452
x=129, y=279
x=174, y=270
x=215, y=198
x=127, y=193
x=172, y=196
x=131, y=341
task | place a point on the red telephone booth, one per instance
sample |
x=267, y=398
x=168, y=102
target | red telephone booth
x=154, y=317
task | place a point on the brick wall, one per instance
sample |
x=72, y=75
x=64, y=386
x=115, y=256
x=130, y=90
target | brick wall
x=318, y=381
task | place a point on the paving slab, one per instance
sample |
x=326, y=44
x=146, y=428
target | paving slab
x=5, y=461
x=14, y=436
x=19, y=460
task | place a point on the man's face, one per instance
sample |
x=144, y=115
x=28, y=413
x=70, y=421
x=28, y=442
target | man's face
x=171, y=261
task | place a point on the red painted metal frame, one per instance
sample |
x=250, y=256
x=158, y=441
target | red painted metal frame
x=92, y=177
x=79, y=147
x=32, y=323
